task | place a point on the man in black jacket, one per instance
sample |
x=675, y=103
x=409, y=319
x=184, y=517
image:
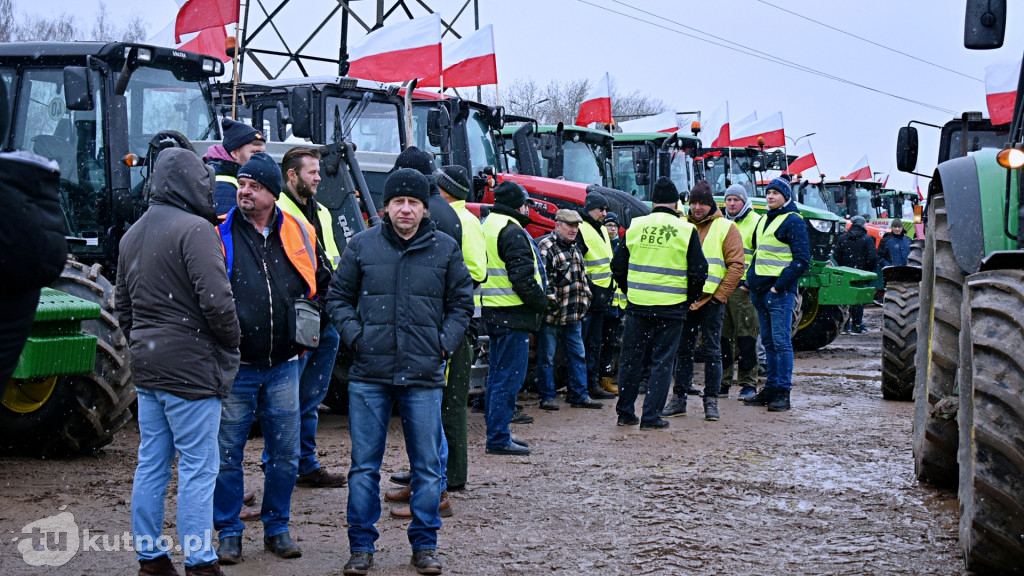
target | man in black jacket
x=856, y=249
x=272, y=261
x=174, y=305
x=401, y=300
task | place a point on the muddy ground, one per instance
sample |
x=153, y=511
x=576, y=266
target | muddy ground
x=827, y=488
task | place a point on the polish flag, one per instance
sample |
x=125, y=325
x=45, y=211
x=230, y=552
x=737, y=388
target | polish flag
x=861, y=170
x=769, y=128
x=597, y=106
x=917, y=187
x=664, y=122
x=209, y=42
x=715, y=132
x=804, y=157
x=399, y=52
x=1001, y=90
x=198, y=15
x=468, y=62
x=747, y=119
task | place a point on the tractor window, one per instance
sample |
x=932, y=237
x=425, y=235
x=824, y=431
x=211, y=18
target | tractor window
x=9, y=80
x=625, y=172
x=582, y=163
x=158, y=101
x=375, y=129
x=481, y=143
x=419, y=130
x=682, y=170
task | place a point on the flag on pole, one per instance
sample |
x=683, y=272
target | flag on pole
x=399, y=52
x=917, y=187
x=468, y=62
x=769, y=128
x=715, y=132
x=749, y=119
x=198, y=15
x=1001, y=90
x=804, y=157
x=597, y=106
x=210, y=42
x=861, y=170
x=664, y=122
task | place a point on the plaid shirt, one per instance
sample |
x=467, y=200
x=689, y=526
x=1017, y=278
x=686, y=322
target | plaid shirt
x=567, y=280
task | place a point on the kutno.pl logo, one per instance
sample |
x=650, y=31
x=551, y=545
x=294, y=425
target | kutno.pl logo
x=54, y=541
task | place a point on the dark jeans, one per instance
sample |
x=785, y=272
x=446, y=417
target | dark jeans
x=453, y=412
x=661, y=335
x=568, y=335
x=707, y=321
x=856, y=316
x=593, y=333
x=509, y=357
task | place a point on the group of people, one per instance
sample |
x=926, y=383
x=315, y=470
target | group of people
x=857, y=249
x=237, y=313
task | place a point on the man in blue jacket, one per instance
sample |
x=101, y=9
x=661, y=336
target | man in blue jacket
x=781, y=255
x=401, y=300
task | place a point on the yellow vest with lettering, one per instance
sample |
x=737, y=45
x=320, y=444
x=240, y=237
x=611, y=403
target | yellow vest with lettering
x=598, y=259
x=772, y=256
x=497, y=291
x=657, y=246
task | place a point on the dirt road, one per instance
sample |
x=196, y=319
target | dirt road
x=827, y=488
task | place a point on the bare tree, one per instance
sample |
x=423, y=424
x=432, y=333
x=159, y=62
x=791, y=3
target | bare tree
x=106, y=31
x=7, y=24
x=134, y=30
x=560, y=101
x=58, y=28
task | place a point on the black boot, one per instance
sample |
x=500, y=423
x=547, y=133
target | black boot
x=711, y=408
x=762, y=398
x=780, y=403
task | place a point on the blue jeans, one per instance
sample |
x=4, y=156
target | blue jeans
x=169, y=424
x=508, y=360
x=706, y=321
x=369, y=415
x=640, y=333
x=315, y=369
x=775, y=314
x=570, y=336
x=274, y=392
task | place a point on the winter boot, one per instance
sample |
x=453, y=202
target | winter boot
x=762, y=398
x=676, y=407
x=607, y=385
x=747, y=392
x=211, y=569
x=780, y=403
x=723, y=392
x=161, y=566
x=711, y=408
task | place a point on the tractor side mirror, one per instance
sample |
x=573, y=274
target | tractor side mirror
x=984, y=24
x=439, y=128
x=77, y=88
x=283, y=119
x=876, y=202
x=906, y=149
x=300, y=110
x=547, y=146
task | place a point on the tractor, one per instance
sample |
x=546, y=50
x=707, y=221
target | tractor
x=640, y=159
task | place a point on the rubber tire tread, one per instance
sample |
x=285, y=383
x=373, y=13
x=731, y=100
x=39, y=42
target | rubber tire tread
x=900, y=309
x=991, y=417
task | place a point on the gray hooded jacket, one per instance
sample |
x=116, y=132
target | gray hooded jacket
x=173, y=297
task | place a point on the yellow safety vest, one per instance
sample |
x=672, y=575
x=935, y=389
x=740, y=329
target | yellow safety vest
x=747, y=228
x=598, y=259
x=474, y=247
x=229, y=179
x=772, y=256
x=323, y=215
x=712, y=247
x=497, y=291
x=657, y=246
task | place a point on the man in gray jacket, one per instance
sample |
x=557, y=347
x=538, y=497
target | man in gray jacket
x=174, y=303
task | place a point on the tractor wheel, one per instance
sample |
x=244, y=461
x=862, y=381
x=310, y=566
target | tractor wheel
x=899, y=339
x=938, y=333
x=337, y=393
x=82, y=412
x=991, y=417
x=819, y=324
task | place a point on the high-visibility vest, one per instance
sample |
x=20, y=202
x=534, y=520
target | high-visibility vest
x=323, y=215
x=747, y=227
x=598, y=259
x=657, y=246
x=772, y=256
x=226, y=178
x=297, y=237
x=474, y=247
x=497, y=291
x=619, y=299
x=712, y=247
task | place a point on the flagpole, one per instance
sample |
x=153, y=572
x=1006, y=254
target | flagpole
x=234, y=74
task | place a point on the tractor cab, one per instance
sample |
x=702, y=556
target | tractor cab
x=572, y=153
x=640, y=159
x=749, y=167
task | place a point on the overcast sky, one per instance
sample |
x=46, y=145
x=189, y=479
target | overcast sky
x=668, y=51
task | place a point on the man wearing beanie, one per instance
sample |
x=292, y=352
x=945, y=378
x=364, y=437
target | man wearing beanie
x=856, y=249
x=441, y=214
x=781, y=255
x=740, y=328
x=596, y=246
x=401, y=300
x=513, y=299
x=662, y=270
x=723, y=249
x=894, y=249
x=272, y=260
x=240, y=142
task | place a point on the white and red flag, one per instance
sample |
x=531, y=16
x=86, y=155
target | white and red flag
x=715, y=131
x=597, y=106
x=399, y=52
x=199, y=15
x=468, y=62
x=861, y=170
x=804, y=157
x=209, y=41
x=769, y=128
x=1001, y=90
x=664, y=122
x=917, y=187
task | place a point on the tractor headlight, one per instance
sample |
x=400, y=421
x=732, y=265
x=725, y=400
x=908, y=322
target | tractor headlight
x=823, y=226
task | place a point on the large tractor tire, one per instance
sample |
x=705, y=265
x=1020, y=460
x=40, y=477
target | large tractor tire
x=819, y=324
x=936, y=361
x=991, y=418
x=78, y=414
x=900, y=310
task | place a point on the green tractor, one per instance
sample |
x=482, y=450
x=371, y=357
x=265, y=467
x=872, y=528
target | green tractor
x=98, y=110
x=826, y=291
x=640, y=159
x=572, y=153
x=969, y=388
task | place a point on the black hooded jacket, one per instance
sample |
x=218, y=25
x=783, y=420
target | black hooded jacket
x=856, y=249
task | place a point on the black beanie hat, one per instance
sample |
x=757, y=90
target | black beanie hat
x=454, y=180
x=510, y=194
x=413, y=157
x=262, y=168
x=701, y=194
x=237, y=134
x=782, y=185
x=595, y=200
x=665, y=192
x=407, y=182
